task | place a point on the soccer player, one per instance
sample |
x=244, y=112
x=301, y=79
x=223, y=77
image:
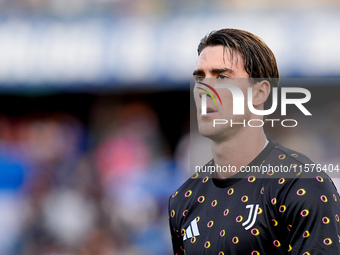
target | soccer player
x=243, y=213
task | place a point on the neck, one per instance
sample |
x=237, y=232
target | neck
x=239, y=150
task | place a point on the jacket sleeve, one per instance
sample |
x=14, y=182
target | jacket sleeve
x=310, y=211
x=176, y=238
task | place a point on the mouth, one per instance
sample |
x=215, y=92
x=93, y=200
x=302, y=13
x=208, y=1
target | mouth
x=210, y=110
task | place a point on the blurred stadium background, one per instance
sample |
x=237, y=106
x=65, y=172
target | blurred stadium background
x=90, y=149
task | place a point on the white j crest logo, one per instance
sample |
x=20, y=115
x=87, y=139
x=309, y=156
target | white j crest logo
x=252, y=216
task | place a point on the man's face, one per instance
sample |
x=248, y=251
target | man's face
x=215, y=66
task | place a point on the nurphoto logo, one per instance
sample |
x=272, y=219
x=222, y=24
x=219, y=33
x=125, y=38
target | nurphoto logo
x=238, y=103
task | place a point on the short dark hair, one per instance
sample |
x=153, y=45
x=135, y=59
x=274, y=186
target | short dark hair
x=259, y=60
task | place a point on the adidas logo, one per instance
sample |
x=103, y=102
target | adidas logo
x=192, y=230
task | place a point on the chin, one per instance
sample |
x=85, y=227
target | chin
x=207, y=131
x=217, y=134
x=204, y=130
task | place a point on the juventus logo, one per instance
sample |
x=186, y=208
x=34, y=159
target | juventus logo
x=252, y=216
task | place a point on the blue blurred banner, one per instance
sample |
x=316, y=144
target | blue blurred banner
x=121, y=53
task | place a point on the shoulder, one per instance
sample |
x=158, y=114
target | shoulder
x=294, y=179
x=186, y=194
x=311, y=185
x=302, y=172
x=189, y=186
x=284, y=155
x=311, y=193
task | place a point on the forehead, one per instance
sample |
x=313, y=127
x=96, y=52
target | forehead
x=219, y=56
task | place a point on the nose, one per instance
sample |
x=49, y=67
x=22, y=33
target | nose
x=201, y=89
x=204, y=88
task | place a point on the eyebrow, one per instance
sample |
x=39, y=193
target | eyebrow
x=214, y=71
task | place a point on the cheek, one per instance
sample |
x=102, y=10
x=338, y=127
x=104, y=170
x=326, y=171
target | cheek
x=195, y=94
x=228, y=101
x=226, y=97
x=196, y=98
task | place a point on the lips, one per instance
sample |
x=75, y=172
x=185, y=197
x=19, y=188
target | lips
x=210, y=110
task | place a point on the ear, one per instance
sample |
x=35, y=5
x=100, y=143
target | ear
x=261, y=91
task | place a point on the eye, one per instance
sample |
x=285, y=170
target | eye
x=222, y=77
x=198, y=78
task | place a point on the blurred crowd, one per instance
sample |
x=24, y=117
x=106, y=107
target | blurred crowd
x=87, y=189
x=100, y=185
